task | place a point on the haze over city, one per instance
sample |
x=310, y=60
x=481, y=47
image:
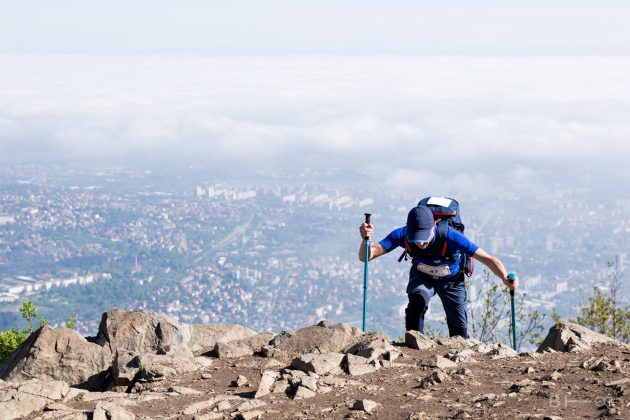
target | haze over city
x=134, y=109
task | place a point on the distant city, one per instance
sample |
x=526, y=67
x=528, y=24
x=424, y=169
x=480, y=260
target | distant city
x=271, y=250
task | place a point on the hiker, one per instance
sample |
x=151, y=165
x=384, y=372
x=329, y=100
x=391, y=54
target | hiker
x=434, y=270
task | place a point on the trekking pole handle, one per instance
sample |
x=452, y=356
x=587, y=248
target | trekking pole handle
x=368, y=220
x=511, y=277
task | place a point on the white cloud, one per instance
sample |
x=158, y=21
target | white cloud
x=416, y=115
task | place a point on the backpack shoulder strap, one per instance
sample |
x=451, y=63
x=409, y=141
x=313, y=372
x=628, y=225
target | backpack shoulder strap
x=440, y=241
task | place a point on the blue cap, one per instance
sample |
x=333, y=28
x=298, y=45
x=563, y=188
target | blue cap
x=420, y=223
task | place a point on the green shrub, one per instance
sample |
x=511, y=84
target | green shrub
x=11, y=340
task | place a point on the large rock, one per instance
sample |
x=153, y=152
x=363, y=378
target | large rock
x=324, y=337
x=374, y=346
x=320, y=364
x=144, y=332
x=243, y=347
x=417, y=340
x=58, y=354
x=138, y=371
x=21, y=399
x=206, y=336
x=567, y=336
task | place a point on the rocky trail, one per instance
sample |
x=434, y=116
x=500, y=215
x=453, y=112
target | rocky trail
x=149, y=366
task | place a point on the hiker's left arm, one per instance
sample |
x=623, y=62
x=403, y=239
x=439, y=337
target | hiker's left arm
x=496, y=266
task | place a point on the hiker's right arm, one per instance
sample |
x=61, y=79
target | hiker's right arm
x=375, y=250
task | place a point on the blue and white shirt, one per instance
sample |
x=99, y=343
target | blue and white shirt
x=443, y=268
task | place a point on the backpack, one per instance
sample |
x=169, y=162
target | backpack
x=445, y=213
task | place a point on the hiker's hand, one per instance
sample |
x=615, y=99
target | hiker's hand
x=512, y=285
x=366, y=230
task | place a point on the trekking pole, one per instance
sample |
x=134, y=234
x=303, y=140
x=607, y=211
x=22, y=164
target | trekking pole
x=511, y=277
x=365, y=269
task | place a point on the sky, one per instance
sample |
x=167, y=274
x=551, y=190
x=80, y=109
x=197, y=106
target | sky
x=455, y=93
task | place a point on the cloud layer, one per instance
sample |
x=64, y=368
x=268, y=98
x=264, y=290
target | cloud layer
x=405, y=118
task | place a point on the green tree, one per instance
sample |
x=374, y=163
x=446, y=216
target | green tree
x=29, y=312
x=13, y=337
x=489, y=315
x=604, y=312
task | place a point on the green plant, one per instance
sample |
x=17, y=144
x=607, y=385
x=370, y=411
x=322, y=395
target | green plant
x=29, y=312
x=489, y=313
x=603, y=312
x=11, y=340
x=70, y=323
x=13, y=337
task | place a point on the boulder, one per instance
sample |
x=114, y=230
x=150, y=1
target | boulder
x=437, y=377
x=206, y=336
x=499, y=351
x=126, y=368
x=58, y=354
x=144, y=332
x=357, y=365
x=20, y=399
x=324, y=337
x=133, y=371
x=439, y=362
x=373, y=346
x=243, y=347
x=320, y=364
x=367, y=406
x=303, y=392
x=416, y=340
x=567, y=336
x=266, y=383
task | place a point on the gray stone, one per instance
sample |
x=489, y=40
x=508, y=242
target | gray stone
x=182, y=390
x=419, y=341
x=357, y=365
x=437, y=361
x=464, y=372
x=309, y=382
x=144, y=332
x=324, y=337
x=241, y=381
x=567, y=336
x=208, y=416
x=243, y=347
x=500, y=351
x=15, y=404
x=106, y=410
x=52, y=390
x=281, y=386
x=554, y=376
x=206, y=336
x=125, y=368
x=464, y=355
x=528, y=370
x=520, y=385
x=367, y=406
x=209, y=404
x=266, y=383
x=437, y=377
x=372, y=346
x=303, y=392
x=319, y=363
x=456, y=342
x=484, y=397
x=250, y=415
x=250, y=405
x=618, y=382
x=58, y=354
